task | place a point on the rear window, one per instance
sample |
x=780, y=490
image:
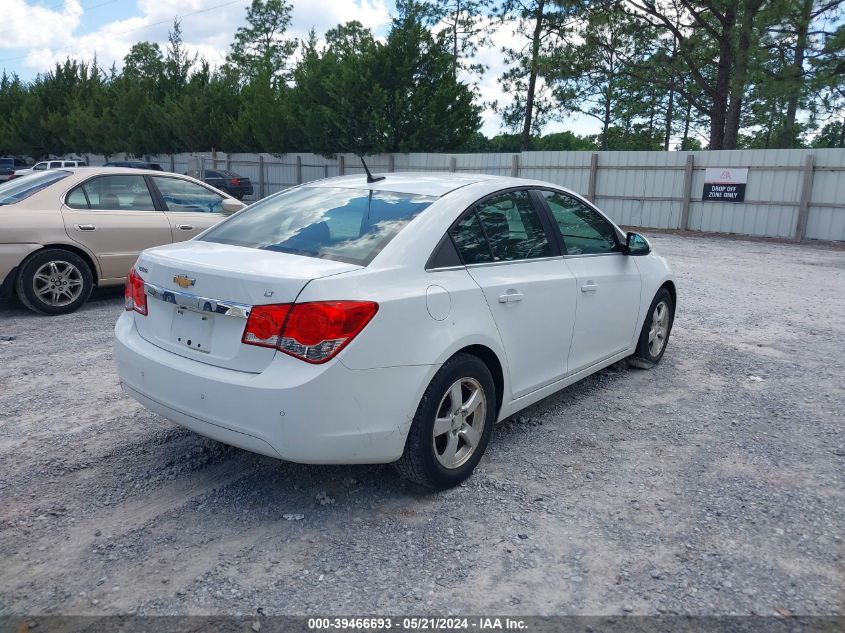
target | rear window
x=345, y=225
x=6, y=162
x=22, y=188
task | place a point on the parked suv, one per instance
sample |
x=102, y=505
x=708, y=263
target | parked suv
x=8, y=165
x=57, y=163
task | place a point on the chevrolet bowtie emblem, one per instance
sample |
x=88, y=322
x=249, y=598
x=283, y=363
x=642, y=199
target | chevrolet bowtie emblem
x=183, y=281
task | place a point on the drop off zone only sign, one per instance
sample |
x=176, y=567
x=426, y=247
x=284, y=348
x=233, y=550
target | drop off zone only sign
x=725, y=184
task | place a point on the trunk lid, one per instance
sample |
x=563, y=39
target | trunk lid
x=200, y=293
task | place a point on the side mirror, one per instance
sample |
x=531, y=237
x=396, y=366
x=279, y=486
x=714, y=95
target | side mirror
x=636, y=244
x=230, y=206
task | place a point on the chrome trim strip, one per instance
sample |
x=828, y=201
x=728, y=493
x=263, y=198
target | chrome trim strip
x=505, y=262
x=197, y=303
x=442, y=268
x=592, y=255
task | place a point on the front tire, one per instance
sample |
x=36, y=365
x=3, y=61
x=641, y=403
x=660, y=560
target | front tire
x=452, y=426
x=54, y=281
x=655, y=333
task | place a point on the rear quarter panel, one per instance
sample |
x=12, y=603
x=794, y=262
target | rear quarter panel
x=423, y=317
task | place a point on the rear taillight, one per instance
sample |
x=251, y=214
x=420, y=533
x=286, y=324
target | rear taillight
x=264, y=326
x=134, y=297
x=314, y=332
x=235, y=182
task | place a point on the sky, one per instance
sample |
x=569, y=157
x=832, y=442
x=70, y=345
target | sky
x=34, y=34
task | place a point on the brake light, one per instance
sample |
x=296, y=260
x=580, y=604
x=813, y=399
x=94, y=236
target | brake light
x=314, y=332
x=134, y=297
x=264, y=326
x=235, y=182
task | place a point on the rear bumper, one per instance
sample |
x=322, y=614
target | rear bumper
x=317, y=414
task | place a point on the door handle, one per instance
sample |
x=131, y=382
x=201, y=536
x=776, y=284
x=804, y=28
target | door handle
x=589, y=287
x=510, y=297
x=185, y=227
x=86, y=227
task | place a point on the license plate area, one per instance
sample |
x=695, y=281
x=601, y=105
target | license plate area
x=193, y=329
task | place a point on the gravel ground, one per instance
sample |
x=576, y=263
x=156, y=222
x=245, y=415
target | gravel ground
x=712, y=484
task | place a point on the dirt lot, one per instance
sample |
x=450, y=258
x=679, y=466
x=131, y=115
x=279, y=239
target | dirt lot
x=713, y=484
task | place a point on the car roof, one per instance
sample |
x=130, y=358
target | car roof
x=416, y=183
x=132, y=171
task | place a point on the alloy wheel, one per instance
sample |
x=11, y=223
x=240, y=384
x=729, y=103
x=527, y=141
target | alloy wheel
x=57, y=283
x=659, y=329
x=459, y=424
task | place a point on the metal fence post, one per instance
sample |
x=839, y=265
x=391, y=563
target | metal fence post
x=172, y=163
x=326, y=170
x=806, y=197
x=341, y=165
x=391, y=163
x=261, y=191
x=298, y=169
x=515, y=165
x=683, y=221
x=594, y=172
x=452, y=163
x=202, y=167
x=228, y=162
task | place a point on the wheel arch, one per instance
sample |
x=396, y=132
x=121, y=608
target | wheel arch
x=670, y=286
x=491, y=359
x=73, y=249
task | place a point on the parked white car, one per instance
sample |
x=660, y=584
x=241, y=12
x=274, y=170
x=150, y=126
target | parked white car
x=347, y=321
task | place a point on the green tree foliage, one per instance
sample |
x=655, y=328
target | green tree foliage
x=831, y=135
x=360, y=95
x=466, y=26
x=260, y=48
x=653, y=73
x=427, y=108
x=591, y=77
x=543, y=28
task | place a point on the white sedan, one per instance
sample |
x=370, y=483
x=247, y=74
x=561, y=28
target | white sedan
x=397, y=319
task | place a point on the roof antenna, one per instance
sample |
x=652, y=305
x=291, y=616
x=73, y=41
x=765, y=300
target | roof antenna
x=370, y=178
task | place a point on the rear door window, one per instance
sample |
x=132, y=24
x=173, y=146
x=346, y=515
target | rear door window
x=112, y=193
x=347, y=225
x=513, y=227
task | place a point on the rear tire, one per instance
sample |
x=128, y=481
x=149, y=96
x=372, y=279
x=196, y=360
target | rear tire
x=54, y=281
x=452, y=426
x=654, y=336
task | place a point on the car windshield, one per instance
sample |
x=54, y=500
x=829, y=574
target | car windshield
x=345, y=225
x=22, y=188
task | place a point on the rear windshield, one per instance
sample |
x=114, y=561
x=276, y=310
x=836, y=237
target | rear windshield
x=6, y=162
x=21, y=188
x=345, y=225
